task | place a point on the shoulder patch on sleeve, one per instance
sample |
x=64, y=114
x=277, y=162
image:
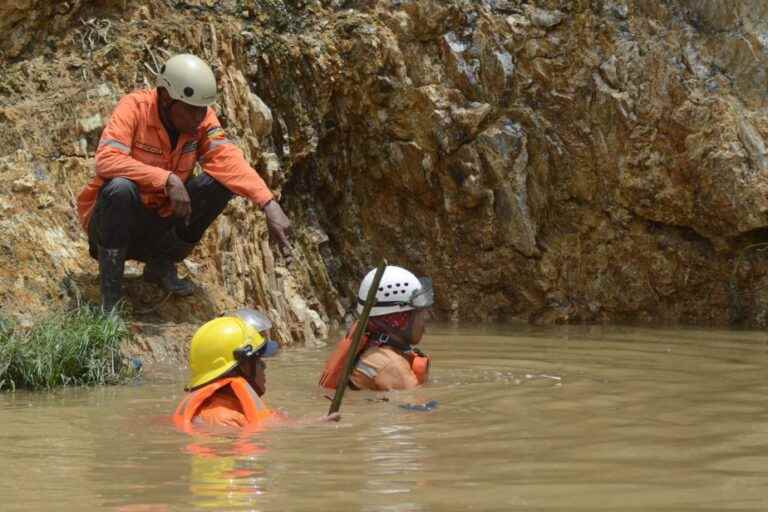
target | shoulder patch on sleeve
x=217, y=132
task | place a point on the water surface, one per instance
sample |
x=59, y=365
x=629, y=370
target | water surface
x=565, y=418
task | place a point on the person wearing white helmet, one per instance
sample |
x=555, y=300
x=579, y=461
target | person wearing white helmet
x=387, y=358
x=144, y=202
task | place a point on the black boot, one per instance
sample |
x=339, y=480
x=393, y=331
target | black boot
x=161, y=270
x=111, y=267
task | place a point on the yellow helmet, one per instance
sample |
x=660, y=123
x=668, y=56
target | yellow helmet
x=212, y=351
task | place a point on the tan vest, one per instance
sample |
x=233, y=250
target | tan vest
x=404, y=371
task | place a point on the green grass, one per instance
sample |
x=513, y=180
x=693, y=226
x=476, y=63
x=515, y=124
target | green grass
x=79, y=347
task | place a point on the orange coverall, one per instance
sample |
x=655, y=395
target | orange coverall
x=136, y=146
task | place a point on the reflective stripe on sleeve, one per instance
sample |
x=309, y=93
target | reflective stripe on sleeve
x=366, y=370
x=117, y=145
x=221, y=142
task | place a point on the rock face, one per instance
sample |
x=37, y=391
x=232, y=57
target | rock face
x=548, y=161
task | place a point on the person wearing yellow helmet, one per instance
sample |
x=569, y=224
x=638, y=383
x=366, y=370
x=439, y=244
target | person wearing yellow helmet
x=228, y=376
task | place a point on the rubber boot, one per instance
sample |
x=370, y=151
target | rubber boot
x=161, y=270
x=111, y=268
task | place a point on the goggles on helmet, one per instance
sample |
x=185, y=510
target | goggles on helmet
x=255, y=319
x=424, y=297
x=247, y=353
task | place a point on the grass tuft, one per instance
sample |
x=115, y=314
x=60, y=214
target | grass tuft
x=80, y=347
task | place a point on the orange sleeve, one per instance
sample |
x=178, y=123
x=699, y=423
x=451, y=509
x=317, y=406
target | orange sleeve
x=113, y=156
x=226, y=164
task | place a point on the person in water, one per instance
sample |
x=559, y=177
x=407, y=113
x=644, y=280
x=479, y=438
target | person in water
x=388, y=358
x=228, y=376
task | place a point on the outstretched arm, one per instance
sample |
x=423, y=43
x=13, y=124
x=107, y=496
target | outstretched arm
x=224, y=161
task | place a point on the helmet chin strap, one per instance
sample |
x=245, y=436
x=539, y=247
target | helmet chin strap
x=400, y=339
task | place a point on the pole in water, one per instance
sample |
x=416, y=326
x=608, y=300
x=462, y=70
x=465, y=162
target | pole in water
x=359, y=330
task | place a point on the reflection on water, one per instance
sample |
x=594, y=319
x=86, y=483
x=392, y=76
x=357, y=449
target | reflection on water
x=220, y=480
x=528, y=419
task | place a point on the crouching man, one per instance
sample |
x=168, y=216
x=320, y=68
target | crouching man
x=144, y=204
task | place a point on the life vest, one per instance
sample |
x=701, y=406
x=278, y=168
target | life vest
x=254, y=409
x=334, y=366
x=419, y=362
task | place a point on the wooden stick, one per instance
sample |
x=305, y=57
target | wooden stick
x=341, y=386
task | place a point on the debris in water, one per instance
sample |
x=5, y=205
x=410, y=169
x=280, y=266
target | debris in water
x=425, y=407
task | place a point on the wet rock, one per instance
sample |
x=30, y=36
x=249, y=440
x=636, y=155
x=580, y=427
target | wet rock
x=518, y=23
x=754, y=143
x=503, y=149
x=261, y=116
x=470, y=117
x=609, y=73
x=271, y=167
x=464, y=63
x=694, y=62
x=91, y=124
x=101, y=91
x=23, y=185
x=543, y=18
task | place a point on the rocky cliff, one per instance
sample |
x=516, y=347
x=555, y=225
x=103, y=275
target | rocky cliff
x=550, y=160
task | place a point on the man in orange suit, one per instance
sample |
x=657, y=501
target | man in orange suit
x=144, y=202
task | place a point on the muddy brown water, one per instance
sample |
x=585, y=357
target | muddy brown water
x=569, y=418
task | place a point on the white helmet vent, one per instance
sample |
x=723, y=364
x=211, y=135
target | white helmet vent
x=395, y=293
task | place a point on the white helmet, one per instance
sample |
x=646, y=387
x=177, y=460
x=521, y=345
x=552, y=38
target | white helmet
x=189, y=79
x=399, y=290
x=255, y=319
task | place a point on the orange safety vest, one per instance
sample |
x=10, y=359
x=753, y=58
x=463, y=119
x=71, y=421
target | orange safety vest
x=254, y=408
x=419, y=365
x=135, y=145
x=334, y=366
